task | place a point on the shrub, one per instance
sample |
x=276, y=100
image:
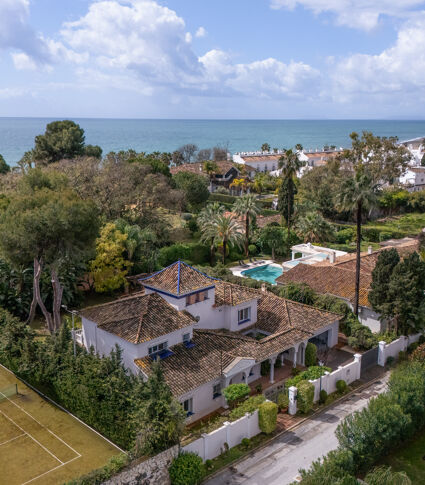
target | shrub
x=418, y=353
x=310, y=354
x=192, y=225
x=209, y=464
x=341, y=386
x=295, y=371
x=168, y=254
x=384, y=236
x=323, y=396
x=362, y=337
x=312, y=373
x=412, y=347
x=333, y=469
x=267, y=417
x=305, y=396
x=390, y=361
x=259, y=388
x=236, y=392
x=252, y=248
x=248, y=406
x=345, y=236
x=186, y=469
x=282, y=400
x=246, y=443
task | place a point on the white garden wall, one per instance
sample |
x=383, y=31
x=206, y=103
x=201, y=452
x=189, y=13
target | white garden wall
x=396, y=346
x=211, y=445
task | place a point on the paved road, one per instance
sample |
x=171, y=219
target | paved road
x=278, y=463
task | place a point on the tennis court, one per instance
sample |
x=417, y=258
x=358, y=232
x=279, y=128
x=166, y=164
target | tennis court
x=40, y=443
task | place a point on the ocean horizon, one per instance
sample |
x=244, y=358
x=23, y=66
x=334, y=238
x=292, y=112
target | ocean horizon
x=166, y=135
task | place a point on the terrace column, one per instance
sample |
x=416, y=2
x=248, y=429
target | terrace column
x=272, y=362
x=282, y=359
x=294, y=362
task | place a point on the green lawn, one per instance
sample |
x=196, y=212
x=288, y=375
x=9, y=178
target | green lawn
x=410, y=459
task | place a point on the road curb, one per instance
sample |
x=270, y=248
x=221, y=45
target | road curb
x=294, y=426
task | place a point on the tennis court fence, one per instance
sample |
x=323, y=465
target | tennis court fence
x=8, y=392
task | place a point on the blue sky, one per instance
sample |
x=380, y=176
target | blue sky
x=213, y=59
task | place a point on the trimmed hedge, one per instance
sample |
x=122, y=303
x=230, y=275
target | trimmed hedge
x=267, y=417
x=310, y=354
x=282, y=400
x=305, y=396
x=186, y=469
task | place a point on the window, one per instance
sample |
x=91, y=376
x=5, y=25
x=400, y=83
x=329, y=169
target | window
x=216, y=391
x=244, y=315
x=196, y=297
x=186, y=337
x=188, y=406
x=158, y=348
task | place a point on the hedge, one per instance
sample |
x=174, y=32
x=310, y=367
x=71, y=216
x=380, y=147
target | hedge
x=248, y=406
x=186, y=469
x=196, y=253
x=267, y=417
x=228, y=199
x=305, y=396
x=235, y=392
x=312, y=373
x=310, y=354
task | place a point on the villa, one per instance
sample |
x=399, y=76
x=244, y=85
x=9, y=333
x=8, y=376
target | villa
x=337, y=277
x=207, y=333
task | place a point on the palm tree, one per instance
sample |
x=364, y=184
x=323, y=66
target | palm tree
x=205, y=218
x=247, y=207
x=357, y=193
x=226, y=229
x=290, y=164
x=210, y=168
x=239, y=183
x=259, y=183
x=313, y=227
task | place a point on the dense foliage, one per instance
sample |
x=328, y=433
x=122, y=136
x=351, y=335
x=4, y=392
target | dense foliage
x=247, y=406
x=236, y=392
x=305, y=396
x=267, y=417
x=310, y=354
x=312, y=373
x=186, y=469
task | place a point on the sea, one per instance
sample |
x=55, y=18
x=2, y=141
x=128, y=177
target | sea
x=148, y=135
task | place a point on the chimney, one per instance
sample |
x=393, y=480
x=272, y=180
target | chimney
x=332, y=257
x=263, y=288
x=369, y=250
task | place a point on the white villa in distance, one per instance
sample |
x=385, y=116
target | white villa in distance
x=207, y=333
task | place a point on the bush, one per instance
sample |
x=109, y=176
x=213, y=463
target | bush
x=371, y=234
x=413, y=346
x=246, y=443
x=252, y=249
x=341, y=386
x=334, y=469
x=362, y=337
x=259, y=388
x=310, y=354
x=295, y=371
x=323, y=396
x=229, y=199
x=186, y=469
x=312, y=373
x=390, y=361
x=248, y=406
x=421, y=340
x=169, y=254
x=192, y=225
x=282, y=401
x=236, y=392
x=267, y=417
x=418, y=353
x=209, y=464
x=305, y=396
x=384, y=236
x=345, y=236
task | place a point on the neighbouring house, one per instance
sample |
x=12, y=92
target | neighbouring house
x=413, y=179
x=225, y=173
x=338, y=279
x=416, y=147
x=207, y=333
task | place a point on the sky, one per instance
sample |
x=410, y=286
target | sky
x=213, y=59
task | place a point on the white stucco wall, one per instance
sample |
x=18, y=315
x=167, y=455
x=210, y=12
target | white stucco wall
x=202, y=400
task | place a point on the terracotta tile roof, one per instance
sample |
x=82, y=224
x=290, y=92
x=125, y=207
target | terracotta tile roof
x=138, y=318
x=330, y=279
x=178, y=279
x=289, y=322
x=262, y=158
x=231, y=294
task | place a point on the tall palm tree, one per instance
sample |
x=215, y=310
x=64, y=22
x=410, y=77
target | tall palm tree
x=313, y=227
x=259, y=183
x=357, y=194
x=205, y=218
x=290, y=164
x=226, y=229
x=247, y=207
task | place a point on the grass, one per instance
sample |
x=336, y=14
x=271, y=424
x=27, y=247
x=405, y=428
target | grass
x=407, y=224
x=43, y=444
x=410, y=459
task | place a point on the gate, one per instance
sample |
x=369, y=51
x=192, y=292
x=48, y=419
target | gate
x=369, y=359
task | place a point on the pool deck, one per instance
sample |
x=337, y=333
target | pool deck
x=237, y=270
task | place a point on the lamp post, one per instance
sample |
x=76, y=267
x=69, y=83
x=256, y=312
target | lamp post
x=73, y=313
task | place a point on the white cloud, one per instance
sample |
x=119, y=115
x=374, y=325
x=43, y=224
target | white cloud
x=362, y=14
x=201, y=32
x=398, y=71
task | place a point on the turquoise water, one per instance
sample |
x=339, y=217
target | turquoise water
x=17, y=134
x=264, y=273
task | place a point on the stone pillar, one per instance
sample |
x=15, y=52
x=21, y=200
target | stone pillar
x=294, y=363
x=246, y=375
x=293, y=255
x=292, y=400
x=272, y=362
x=282, y=359
x=381, y=354
x=358, y=358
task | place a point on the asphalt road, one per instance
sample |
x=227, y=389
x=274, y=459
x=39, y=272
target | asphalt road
x=278, y=463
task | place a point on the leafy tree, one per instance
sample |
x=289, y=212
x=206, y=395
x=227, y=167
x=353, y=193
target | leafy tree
x=203, y=155
x=206, y=218
x=357, y=194
x=310, y=354
x=194, y=187
x=186, y=469
x=312, y=227
x=109, y=268
x=93, y=151
x=247, y=208
x=4, y=167
x=265, y=147
x=47, y=227
x=273, y=237
x=188, y=151
x=62, y=139
x=259, y=183
x=219, y=153
x=161, y=418
x=381, y=275
x=385, y=476
x=226, y=229
x=177, y=158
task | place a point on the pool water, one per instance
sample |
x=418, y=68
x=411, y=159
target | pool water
x=267, y=273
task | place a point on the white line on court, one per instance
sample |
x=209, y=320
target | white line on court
x=15, y=438
x=55, y=468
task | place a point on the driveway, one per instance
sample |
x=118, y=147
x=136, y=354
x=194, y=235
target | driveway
x=278, y=462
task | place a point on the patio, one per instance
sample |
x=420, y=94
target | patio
x=280, y=375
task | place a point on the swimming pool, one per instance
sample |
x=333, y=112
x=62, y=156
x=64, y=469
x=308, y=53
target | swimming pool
x=267, y=273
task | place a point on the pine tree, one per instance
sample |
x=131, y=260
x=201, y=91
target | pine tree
x=381, y=275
